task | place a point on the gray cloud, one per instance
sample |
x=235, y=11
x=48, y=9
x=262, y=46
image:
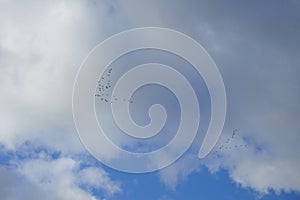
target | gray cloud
x=256, y=47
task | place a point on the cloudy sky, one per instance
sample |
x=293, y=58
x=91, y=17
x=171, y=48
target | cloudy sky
x=256, y=47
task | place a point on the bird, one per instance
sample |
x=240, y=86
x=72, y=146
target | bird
x=233, y=133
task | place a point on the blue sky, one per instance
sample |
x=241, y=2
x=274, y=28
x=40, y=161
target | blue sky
x=256, y=47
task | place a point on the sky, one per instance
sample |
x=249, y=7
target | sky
x=256, y=47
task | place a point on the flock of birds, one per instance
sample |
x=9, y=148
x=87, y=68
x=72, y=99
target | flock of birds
x=230, y=143
x=104, y=93
x=103, y=89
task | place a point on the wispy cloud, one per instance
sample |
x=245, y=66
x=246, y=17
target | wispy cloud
x=59, y=176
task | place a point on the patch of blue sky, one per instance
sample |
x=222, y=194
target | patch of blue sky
x=6, y=156
x=197, y=186
x=202, y=185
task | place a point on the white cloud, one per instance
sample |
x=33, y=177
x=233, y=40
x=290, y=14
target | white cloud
x=54, y=177
x=179, y=171
x=51, y=179
x=97, y=178
x=42, y=44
